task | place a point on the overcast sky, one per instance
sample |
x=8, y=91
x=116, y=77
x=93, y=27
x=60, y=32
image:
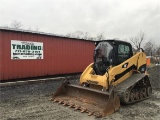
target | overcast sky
x=115, y=18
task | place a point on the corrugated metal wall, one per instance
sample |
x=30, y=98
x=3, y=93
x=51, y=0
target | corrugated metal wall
x=61, y=56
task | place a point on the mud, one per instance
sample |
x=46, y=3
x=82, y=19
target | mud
x=31, y=102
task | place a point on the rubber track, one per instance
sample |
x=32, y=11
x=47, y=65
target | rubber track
x=129, y=84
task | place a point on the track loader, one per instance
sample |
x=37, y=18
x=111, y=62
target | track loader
x=117, y=76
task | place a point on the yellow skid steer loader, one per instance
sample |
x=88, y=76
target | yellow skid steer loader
x=116, y=76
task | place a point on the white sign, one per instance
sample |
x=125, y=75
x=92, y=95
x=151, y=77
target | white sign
x=26, y=50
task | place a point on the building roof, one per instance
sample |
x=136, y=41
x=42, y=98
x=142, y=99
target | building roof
x=39, y=33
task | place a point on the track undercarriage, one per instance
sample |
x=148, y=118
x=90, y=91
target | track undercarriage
x=135, y=89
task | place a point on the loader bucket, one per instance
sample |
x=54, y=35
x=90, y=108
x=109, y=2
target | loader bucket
x=91, y=101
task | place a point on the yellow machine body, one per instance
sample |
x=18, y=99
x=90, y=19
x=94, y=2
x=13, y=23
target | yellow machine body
x=88, y=76
x=104, y=84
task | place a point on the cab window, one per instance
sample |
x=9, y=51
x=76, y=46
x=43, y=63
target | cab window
x=123, y=53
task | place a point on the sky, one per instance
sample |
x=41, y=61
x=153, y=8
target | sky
x=120, y=19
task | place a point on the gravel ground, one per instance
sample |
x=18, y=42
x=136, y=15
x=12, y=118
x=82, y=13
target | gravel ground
x=154, y=75
x=31, y=102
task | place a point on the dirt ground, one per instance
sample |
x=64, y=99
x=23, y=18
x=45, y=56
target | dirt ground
x=31, y=102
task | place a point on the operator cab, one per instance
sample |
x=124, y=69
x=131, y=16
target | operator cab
x=110, y=52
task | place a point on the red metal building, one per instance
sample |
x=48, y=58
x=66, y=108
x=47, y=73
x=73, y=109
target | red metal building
x=60, y=55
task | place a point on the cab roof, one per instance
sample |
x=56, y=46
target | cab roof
x=113, y=41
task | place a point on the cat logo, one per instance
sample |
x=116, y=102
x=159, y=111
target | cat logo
x=125, y=65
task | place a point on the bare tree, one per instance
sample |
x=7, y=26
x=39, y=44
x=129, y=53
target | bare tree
x=69, y=35
x=76, y=34
x=100, y=36
x=16, y=24
x=30, y=29
x=36, y=29
x=5, y=26
x=137, y=40
x=92, y=38
x=152, y=49
x=149, y=47
x=86, y=35
x=158, y=50
x=79, y=35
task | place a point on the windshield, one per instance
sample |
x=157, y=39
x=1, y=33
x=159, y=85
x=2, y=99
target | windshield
x=103, y=50
x=103, y=56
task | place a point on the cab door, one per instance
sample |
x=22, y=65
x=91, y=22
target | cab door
x=124, y=52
